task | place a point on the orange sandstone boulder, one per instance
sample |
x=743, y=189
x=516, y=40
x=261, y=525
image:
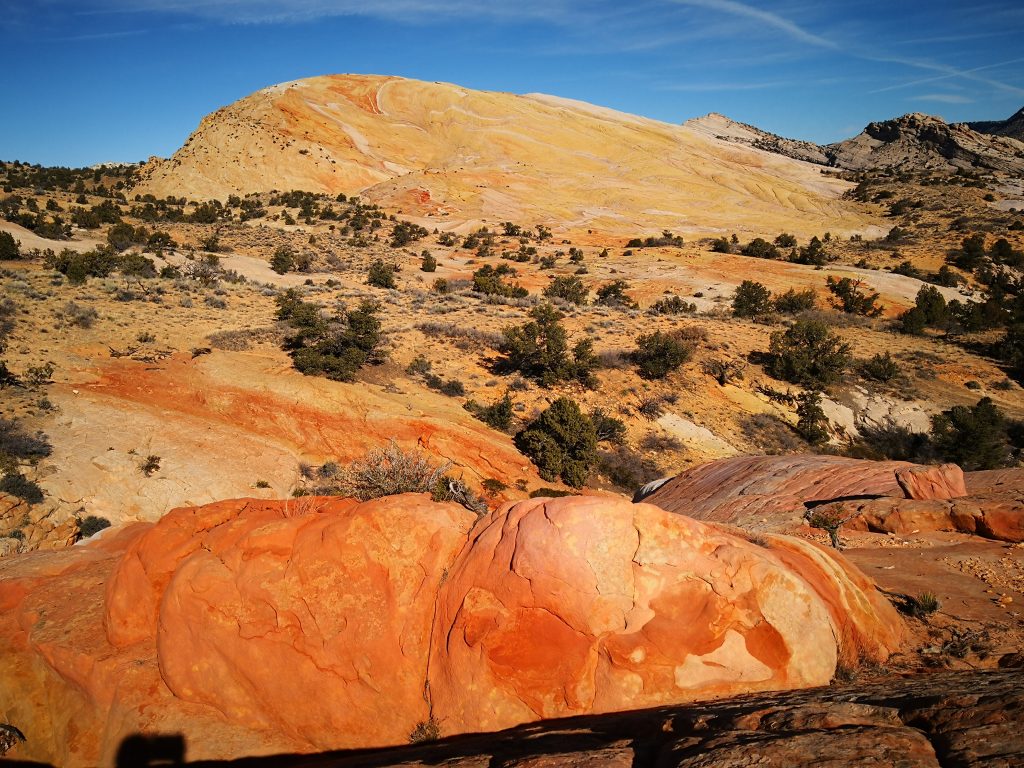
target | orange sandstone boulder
x=256, y=627
x=576, y=605
x=312, y=618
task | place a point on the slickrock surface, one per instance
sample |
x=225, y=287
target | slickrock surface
x=255, y=627
x=772, y=493
x=637, y=608
x=450, y=154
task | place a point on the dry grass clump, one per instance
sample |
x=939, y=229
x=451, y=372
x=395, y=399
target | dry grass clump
x=390, y=470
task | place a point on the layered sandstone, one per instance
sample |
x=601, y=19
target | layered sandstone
x=774, y=493
x=253, y=627
x=451, y=154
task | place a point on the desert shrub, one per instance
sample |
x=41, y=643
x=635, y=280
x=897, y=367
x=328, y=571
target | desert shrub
x=851, y=299
x=425, y=730
x=793, y=302
x=283, y=260
x=673, y=305
x=429, y=263
x=79, y=267
x=658, y=354
x=150, y=465
x=440, y=286
x=770, y=433
x=880, y=367
x=808, y=353
x=20, y=487
x=75, y=314
x=751, y=299
x=490, y=281
x=390, y=470
x=381, y=275
x=406, y=232
x=562, y=442
x=569, y=289
x=10, y=248
x=651, y=406
x=336, y=348
x=614, y=295
x=539, y=350
x=666, y=238
x=549, y=493
x=761, y=249
x=452, y=388
x=929, y=311
x=785, y=240
x=626, y=468
x=811, y=423
x=890, y=441
x=498, y=415
x=723, y=371
x=925, y=604
x=91, y=525
x=607, y=428
x=975, y=437
x=721, y=245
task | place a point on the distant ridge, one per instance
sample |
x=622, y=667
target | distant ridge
x=911, y=142
x=721, y=127
x=1012, y=126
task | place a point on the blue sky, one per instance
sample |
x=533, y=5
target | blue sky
x=88, y=81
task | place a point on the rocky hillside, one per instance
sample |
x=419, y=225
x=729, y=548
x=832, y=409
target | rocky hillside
x=450, y=154
x=913, y=142
x=721, y=127
x=1012, y=126
x=923, y=142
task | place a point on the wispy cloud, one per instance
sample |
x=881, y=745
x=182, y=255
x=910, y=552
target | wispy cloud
x=89, y=36
x=945, y=98
x=292, y=11
x=948, y=73
x=766, y=18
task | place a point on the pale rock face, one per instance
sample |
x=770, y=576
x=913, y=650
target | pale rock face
x=453, y=156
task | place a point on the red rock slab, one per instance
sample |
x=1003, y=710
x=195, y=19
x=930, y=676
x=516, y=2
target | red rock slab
x=745, y=488
x=565, y=606
x=942, y=482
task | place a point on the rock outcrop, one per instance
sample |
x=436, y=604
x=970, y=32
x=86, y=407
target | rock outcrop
x=253, y=627
x=918, y=142
x=1012, y=126
x=773, y=493
x=722, y=127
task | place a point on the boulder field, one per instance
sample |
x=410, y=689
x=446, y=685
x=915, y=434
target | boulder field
x=251, y=627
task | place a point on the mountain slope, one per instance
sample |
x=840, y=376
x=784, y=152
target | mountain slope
x=912, y=142
x=721, y=127
x=920, y=142
x=452, y=154
x=1012, y=126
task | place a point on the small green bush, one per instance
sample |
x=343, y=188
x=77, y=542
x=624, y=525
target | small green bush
x=751, y=299
x=91, y=525
x=381, y=275
x=562, y=442
x=658, y=354
x=808, y=353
